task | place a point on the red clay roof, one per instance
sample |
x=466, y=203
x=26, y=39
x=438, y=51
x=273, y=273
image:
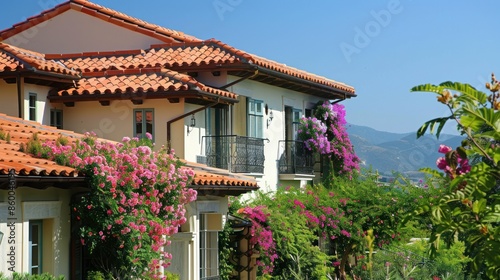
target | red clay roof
x=21, y=131
x=103, y=13
x=150, y=81
x=177, y=56
x=14, y=59
x=214, y=181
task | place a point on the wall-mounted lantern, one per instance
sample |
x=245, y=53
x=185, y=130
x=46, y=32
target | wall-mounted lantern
x=192, y=124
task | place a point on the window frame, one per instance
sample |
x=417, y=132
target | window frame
x=39, y=267
x=207, y=251
x=56, y=118
x=144, y=122
x=253, y=129
x=296, y=115
x=32, y=116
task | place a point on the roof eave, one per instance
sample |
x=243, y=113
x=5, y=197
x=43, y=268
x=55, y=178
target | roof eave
x=222, y=190
x=195, y=93
x=43, y=182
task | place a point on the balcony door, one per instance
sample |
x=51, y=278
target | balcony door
x=294, y=158
x=217, y=121
x=217, y=139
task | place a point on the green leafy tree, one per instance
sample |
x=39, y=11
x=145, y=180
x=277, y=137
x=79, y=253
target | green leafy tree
x=469, y=210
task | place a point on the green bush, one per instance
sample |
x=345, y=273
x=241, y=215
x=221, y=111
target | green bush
x=27, y=276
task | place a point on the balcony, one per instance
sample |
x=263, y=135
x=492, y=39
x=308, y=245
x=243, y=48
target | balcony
x=294, y=158
x=238, y=154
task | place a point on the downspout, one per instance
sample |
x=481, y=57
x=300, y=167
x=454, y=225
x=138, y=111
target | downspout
x=19, y=97
x=169, y=134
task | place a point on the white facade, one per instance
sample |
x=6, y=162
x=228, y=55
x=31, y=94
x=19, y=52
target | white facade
x=75, y=32
x=50, y=207
x=85, y=33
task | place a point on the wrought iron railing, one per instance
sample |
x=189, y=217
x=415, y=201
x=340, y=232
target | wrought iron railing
x=238, y=154
x=294, y=158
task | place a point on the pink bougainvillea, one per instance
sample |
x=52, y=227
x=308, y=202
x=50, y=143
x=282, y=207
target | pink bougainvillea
x=261, y=236
x=326, y=134
x=137, y=197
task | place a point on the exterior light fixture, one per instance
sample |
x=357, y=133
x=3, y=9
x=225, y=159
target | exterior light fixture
x=270, y=118
x=1, y=237
x=192, y=124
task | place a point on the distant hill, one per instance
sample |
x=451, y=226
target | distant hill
x=401, y=152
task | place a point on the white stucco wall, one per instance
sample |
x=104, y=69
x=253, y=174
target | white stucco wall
x=8, y=103
x=42, y=104
x=194, y=139
x=8, y=97
x=276, y=99
x=73, y=32
x=50, y=205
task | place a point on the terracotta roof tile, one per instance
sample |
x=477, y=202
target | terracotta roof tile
x=215, y=177
x=18, y=59
x=210, y=53
x=209, y=179
x=114, y=83
x=20, y=132
x=103, y=13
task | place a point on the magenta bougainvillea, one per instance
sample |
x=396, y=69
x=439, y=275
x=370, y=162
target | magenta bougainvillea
x=137, y=197
x=326, y=134
x=261, y=237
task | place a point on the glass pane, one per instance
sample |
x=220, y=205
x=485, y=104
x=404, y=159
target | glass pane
x=34, y=256
x=32, y=114
x=138, y=123
x=251, y=125
x=149, y=122
x=34, y=270
x=34, y=234
x=32, y=100
x=59, y=119
x=259, y=127
x=296, y=116
x=252, y=106
x=258, y=108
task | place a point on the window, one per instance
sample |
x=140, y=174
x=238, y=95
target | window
x=210, y=224
x=292, y=121
x=296, y=121
x=255, y=118
x=35, y=247
x=144, y=122
x=56, y=119
x=32, y=107
x=309, y=113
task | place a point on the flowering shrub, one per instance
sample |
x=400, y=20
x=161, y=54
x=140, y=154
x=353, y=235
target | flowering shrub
x=137, y=197
x=326, y=134
x=469, y=210
x=316, y=230
x=313, y=132
x=262, y=237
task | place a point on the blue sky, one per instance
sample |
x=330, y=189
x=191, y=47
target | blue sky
x=382, y=48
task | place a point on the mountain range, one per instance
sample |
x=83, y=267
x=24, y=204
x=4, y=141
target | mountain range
x=388, y=152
